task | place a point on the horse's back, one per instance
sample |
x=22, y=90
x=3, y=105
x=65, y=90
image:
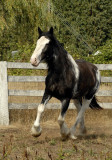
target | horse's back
x=83, y=63
x=86, y=68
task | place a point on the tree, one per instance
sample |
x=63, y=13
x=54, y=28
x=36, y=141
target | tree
x=82, y=26
x=91, y=20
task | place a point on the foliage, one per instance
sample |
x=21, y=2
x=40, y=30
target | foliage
x=83, y=27
x=105, y=56
x=89, y=23
x=23, y=54
x=19, y=22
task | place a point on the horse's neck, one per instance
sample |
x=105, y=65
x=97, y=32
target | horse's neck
x=56, y=66
x=61, y=65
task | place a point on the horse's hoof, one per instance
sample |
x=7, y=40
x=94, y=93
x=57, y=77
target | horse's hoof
x=36, y=131
x=82, y=131
x=72, y=137
x=64, y=137
x=65, y=132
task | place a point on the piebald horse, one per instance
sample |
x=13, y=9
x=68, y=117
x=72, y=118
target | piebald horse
x=66, y=79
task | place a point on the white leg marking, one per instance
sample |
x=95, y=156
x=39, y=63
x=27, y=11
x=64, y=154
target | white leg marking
x=85, y=105
x=61, y=119
x=64, y=130
x=82, y=126
x=36, y=129
x=40, y=110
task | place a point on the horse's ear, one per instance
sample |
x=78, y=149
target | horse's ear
x=51, y=30
x=39, y=31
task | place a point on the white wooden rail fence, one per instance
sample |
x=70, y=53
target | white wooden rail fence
x=4, y=92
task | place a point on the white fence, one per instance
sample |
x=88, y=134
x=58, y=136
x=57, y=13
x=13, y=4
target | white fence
x=4, y=92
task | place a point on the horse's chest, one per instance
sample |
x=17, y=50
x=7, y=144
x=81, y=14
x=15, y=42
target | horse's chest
x=58, y=88
x=55, y=87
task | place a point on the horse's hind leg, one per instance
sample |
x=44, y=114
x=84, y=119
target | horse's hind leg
x=85, y=105
x=64, y=130
x=82, y=127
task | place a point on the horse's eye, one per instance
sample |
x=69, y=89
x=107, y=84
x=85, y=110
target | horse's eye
x=45, y=48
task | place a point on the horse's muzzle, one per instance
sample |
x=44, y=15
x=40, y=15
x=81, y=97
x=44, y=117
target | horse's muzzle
x=34, y=62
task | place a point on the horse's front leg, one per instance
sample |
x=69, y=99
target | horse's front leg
x=36, y=129
x=64, y=130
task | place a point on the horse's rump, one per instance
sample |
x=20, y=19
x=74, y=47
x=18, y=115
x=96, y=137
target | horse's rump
x=88, y=80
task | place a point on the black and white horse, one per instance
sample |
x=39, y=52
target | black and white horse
x=66, y=79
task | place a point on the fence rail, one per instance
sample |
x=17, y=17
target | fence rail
x=25, y=65
x=44, y=66
x=50, y=106
x=42, y=79
x=41, y=92
x=4, y=92
x=26, y=78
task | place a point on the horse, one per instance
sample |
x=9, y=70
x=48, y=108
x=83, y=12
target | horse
x=66, y=79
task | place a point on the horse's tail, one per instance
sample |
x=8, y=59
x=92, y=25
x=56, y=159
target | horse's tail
x=94, y=104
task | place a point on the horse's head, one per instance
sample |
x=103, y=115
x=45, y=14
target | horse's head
x=43, y=47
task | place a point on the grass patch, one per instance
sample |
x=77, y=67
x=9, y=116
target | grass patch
x=27, y=72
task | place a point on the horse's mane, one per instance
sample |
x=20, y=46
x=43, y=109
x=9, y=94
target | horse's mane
x=61, y=67
x=60, y=59
x=60, y=47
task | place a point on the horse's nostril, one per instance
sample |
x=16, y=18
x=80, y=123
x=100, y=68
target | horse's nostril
x=33, y=60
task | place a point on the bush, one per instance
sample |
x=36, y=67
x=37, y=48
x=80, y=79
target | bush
x=105, y=57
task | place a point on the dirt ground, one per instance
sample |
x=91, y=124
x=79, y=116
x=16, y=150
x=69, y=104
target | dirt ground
x=16, y=142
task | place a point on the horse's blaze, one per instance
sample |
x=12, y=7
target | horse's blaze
x=40, y=47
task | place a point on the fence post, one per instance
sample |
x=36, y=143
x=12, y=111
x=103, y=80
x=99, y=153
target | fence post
x=4, y=111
